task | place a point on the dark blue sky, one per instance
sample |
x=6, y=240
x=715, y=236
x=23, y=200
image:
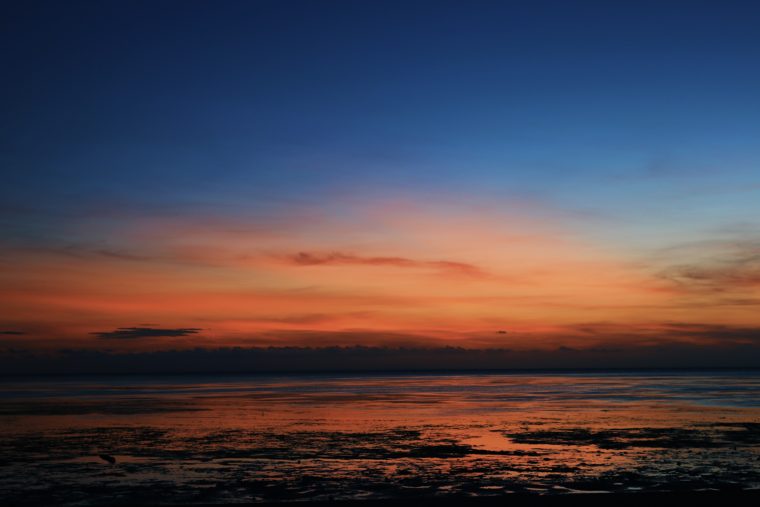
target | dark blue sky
x=167, y=101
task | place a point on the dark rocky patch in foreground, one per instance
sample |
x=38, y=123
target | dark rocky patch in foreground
x=250, y=465
x=714, y=436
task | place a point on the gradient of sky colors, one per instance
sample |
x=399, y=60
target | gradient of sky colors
x=579, y=174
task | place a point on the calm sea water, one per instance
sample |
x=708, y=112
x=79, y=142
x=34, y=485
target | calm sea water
x=241, y=439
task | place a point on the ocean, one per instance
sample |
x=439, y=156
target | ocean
x=216, y=439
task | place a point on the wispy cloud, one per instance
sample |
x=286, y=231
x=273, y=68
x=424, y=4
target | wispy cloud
x=718, y=332
x=717, y=266
x=667, y=332
x=116, y=254
x=132, y=333
x=341, y=258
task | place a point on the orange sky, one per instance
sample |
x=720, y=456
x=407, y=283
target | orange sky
x=384, y=273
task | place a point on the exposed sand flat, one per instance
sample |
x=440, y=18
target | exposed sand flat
x=395, y=438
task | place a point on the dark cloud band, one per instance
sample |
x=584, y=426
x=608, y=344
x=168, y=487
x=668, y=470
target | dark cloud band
x=132, y=333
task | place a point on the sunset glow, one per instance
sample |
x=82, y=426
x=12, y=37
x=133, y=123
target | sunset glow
x=475, y=203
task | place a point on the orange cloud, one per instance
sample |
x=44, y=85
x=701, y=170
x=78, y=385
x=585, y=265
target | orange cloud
x=338, y=258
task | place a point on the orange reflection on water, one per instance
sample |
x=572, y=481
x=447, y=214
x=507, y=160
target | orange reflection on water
x=384, y=436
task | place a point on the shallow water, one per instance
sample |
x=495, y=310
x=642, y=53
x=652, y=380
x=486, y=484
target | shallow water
x=241, y=439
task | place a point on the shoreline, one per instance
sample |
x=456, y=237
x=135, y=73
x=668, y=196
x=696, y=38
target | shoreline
x=716, y=370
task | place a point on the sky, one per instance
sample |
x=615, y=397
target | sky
x=535, y=176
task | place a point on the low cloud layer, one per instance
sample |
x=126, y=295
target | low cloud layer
x=133, y=333
x=359, y=359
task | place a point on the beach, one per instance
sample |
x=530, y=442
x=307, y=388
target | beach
x=378, y=437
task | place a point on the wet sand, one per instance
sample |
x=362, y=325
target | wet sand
x=397, y=440
x=727, y=498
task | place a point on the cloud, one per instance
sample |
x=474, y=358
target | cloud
x=721, y=266
x=717, y=277
x=339, y=258
x=305, y=318
x=131, y=333
x=116, y=254
x=344, y=338
x=714, y=331
x=668, y=332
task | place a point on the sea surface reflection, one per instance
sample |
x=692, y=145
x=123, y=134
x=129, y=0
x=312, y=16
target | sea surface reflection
x=254, y=438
